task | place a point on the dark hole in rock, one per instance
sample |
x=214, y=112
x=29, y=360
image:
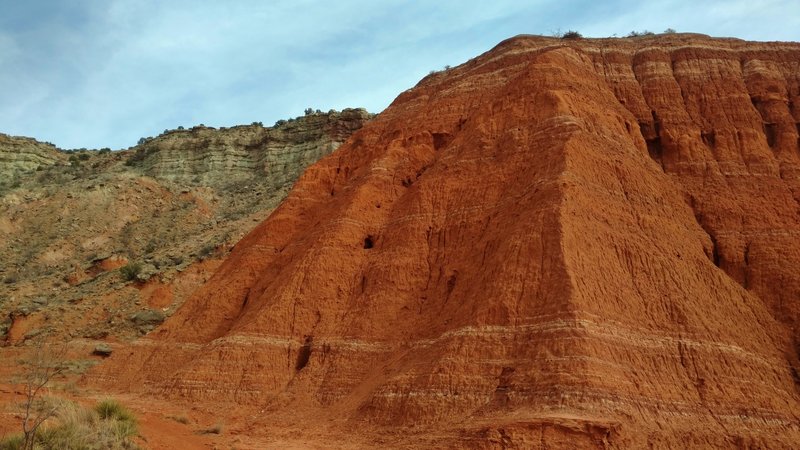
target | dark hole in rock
x=771, y=130
x=652, y=139
x=654, y=148
x=304, y=354
x=715, y=258
x=369, y=242
x=440, y=140
x=709, y=138
x=451, y=283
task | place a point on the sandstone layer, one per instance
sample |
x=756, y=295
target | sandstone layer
x=70, y=221
x=558, y=244
x=19, y=155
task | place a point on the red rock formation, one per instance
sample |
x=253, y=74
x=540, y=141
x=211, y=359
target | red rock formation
x=559, y=243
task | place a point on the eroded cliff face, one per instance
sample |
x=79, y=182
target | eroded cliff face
x=221, y=157
x=558, y=244
x=70, y=222
x=20, y=155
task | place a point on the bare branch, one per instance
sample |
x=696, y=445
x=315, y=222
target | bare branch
x=42, y=368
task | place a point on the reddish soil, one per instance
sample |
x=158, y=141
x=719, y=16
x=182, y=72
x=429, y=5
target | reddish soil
x=558, y=244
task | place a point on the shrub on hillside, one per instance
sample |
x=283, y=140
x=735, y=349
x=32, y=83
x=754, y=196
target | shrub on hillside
x=130, y=271
x=124, y=420
x=108, y=425
x=571, y=34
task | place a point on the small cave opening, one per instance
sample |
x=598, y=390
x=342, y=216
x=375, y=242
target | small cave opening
x=654, y=149
x=369, y=242
x=771, y=131
x=709, y=138
x=440, y=140
x=652, y=138
x=304, y=354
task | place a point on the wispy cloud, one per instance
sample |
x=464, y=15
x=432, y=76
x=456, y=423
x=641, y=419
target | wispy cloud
x=99, y=73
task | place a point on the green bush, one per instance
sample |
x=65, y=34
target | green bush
x=130, y=271
x=571, y=34
x=124, y=422
x=112, y=410
x=207, y=251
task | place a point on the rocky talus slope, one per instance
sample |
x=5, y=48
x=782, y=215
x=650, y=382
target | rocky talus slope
x=165, y=209
x=558, y=244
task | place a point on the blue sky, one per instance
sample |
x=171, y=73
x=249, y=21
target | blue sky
x=103, y=73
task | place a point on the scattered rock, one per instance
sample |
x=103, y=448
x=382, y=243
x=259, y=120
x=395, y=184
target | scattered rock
x=148, y=318
x=103, y=350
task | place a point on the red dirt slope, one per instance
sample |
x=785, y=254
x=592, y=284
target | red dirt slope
x=558, y=244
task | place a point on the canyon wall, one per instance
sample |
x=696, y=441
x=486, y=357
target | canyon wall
x=558, y=244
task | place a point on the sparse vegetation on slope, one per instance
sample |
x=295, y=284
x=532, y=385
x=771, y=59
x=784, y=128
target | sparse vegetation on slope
x=84, y=223
x=107, y=426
